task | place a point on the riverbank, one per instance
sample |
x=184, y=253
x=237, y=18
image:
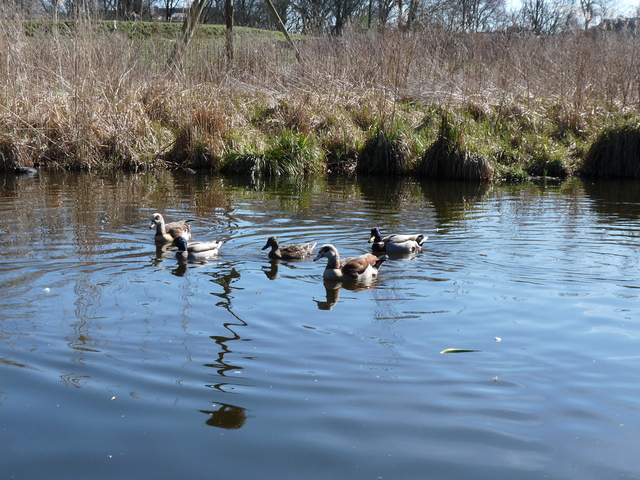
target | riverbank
x=430, y=104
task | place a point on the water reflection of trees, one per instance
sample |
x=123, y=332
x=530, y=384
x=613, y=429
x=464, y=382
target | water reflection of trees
x=292, y=195
x=394, y=194
x=404, y=198
x=452, y=200
x=226, y=416
x=225, y=280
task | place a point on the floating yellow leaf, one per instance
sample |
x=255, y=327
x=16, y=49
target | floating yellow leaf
x=457, y=350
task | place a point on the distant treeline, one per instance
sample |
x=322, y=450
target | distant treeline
x=320, y=17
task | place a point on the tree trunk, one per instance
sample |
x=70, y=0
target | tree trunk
x=188, y=29
x=413, y=7
x=228, y=14
x=282, y=28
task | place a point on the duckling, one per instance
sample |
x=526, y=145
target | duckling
x=396, y=243
x=166, y=232
x=358, y=268
x=196, y=250
x=288, y=252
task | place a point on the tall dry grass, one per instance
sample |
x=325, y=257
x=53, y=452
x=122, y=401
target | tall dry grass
x=100, y=97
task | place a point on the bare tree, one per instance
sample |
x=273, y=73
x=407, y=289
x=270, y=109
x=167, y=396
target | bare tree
x=343, y=11
x=228, y=14
x=169, y=7
x=546, y=17
x=313, y=15
x=459, y=15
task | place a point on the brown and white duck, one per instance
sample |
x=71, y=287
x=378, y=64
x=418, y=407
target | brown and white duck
x=358, y=268
x=396, y=243
x=288, y=252
x=167, y=232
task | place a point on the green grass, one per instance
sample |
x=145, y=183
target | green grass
x=141, y=30
x=289, y=155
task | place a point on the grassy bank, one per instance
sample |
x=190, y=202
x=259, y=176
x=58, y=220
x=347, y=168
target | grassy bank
x=426, y=103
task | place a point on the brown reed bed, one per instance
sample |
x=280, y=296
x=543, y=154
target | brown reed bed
x=426, y=103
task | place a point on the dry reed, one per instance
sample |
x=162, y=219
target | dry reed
x=103, y=98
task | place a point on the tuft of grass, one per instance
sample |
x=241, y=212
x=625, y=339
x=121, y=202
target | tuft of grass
x=614, y=154
x=385, y=153
x=289, y=155
x=447, y=158
x=341, y=147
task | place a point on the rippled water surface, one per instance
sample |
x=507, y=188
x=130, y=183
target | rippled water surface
x=117, y=361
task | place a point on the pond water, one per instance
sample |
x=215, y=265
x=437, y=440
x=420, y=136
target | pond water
x=118, y=361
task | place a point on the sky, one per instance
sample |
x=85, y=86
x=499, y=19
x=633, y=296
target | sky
x=624, y=7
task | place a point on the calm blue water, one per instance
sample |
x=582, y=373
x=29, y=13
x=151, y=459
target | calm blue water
x=118, y=362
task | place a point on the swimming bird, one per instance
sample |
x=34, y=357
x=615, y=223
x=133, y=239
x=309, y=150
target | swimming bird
x=166, y=232
x=195, y=250
x=358, y=268
x=22, y=170
x=396, y=243
x=288, y=251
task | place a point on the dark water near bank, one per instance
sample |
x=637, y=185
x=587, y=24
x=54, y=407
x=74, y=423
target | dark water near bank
x=118, y=362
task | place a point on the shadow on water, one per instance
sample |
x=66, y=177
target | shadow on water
x=614, y=198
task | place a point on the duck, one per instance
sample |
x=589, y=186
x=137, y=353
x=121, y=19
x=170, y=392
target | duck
x=363, y=267
x=396, y=243
x=167, y=232
x=195, y=250
x=27, y=171
x=288, y=252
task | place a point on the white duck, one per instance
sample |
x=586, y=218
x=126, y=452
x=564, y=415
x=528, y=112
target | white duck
x=166, y=232
x=396, y=243
x=196, y=250
x=358, y=268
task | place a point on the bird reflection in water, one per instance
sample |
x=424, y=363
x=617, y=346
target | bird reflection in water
x=161, y=251
x=332, y=290
x=271, y=271
x=226, y=416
